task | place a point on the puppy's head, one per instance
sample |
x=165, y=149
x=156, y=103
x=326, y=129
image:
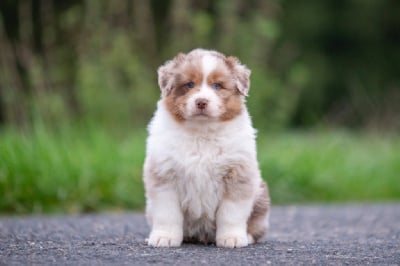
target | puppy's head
x=204, y=85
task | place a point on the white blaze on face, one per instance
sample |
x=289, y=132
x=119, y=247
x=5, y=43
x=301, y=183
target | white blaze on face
x=208, y=65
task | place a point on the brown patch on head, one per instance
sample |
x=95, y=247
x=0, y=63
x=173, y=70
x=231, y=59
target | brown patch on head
x=185, y=70
x=232, y=102
x=257, y=225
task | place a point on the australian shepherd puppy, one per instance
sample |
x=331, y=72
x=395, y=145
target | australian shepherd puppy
x=201, y=173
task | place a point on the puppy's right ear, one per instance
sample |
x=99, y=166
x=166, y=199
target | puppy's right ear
x=165, y=77
x=166, y=74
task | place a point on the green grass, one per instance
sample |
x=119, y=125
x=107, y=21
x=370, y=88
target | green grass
x=82, y=171
x=331, y=166
x=74, y=171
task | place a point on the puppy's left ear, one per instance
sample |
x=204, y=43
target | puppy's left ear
x=241, y=75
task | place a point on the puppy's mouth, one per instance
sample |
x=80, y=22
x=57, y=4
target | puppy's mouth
x=202, y=114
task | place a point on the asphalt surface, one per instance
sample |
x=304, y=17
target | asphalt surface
x=300, y=235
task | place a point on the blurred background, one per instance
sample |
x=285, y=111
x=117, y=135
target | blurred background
x=78, y=87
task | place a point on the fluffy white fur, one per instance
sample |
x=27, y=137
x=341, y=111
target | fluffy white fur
x=185, y=167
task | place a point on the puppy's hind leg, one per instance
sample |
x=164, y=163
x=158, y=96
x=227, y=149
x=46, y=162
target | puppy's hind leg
x=258, y=223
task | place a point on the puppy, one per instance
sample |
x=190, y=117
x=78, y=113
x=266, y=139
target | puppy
x=201, y=173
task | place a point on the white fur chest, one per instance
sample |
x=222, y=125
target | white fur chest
x=202, y=165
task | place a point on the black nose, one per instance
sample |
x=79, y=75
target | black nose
x=201, y=103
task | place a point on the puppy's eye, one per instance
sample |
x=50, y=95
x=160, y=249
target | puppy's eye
x=190, y=85
x=217, y=86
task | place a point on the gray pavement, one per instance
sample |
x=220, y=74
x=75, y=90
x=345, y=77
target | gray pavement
x=356, y=234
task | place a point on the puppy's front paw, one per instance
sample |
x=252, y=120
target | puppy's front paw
x=232, y=241
x=164, y=239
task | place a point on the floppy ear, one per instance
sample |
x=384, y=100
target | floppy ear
x=241, y=75
x=166, y=74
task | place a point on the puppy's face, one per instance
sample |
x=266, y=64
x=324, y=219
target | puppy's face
x=204, y=85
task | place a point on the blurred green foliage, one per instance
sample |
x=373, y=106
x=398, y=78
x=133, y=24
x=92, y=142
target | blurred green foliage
x=314, y=62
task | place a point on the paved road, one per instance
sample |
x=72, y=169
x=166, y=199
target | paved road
x=300, y=235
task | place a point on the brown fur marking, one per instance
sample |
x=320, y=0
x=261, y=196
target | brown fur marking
x=176, y=101
x=154, y=179
x=238, y=185
x=229, y=94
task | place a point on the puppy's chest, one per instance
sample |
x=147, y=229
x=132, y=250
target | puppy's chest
x=201, y=166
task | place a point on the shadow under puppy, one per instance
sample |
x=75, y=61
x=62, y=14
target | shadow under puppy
x=201, y=173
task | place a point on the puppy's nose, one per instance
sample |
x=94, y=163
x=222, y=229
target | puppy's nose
x=201, y=103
